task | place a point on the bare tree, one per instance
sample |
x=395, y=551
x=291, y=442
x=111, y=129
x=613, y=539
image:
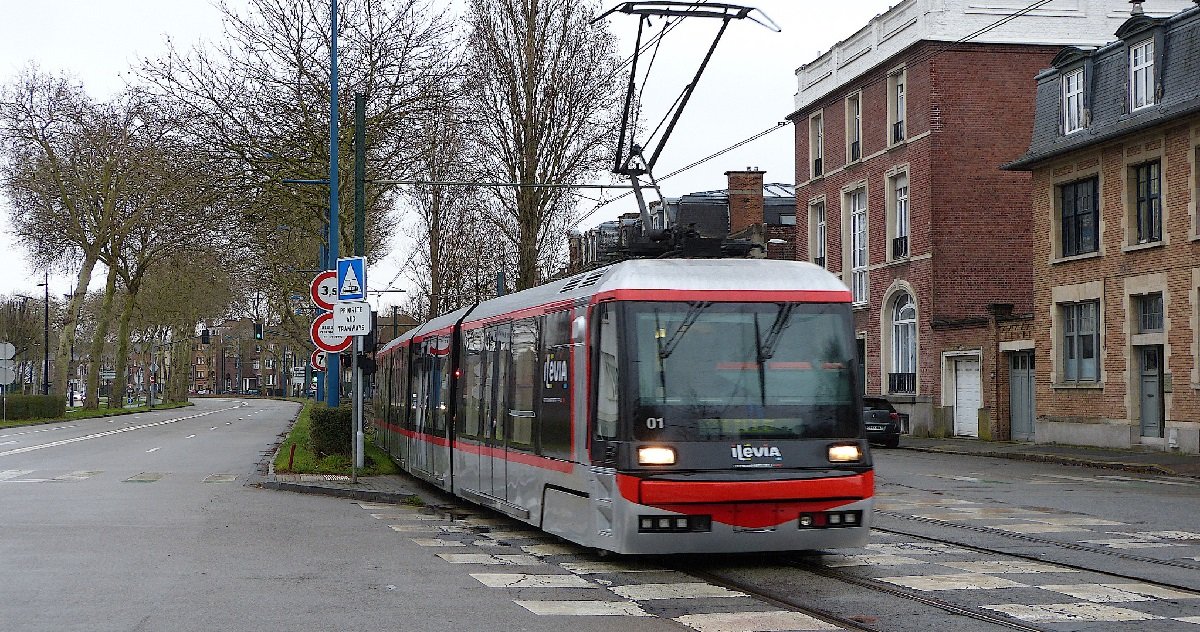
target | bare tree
x=543, y=80
x=65, y=165
x=260, y=98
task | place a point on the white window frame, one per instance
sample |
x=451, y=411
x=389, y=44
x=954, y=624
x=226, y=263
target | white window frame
x=1141, y=75
x=854, y=127
x=859, y=253
x=1072, y=101
x=897, y=104
x=904, y=335
x=816, y=144
x=902, y=212
x=821, y=216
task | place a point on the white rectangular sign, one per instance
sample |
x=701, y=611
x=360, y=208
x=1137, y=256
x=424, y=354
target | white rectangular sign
x=351, y=318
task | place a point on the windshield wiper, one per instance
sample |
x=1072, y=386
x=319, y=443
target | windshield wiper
x=689, y=319
x=782, y=320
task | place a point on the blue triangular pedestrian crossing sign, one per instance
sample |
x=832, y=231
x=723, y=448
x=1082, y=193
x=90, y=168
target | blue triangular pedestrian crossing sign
x=352, y=278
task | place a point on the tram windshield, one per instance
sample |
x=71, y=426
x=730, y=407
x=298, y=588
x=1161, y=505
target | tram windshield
x=741, y=371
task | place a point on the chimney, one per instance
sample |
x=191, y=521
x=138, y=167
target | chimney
x=745, y=199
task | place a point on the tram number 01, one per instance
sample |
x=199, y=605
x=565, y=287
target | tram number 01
x=655, y=423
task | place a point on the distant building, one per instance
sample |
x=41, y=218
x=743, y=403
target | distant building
x=748, y=208
x=1114, y=156
x=901, y=130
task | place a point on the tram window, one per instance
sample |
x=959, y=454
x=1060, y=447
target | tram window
x=554, y=397
x=416, y=389
x=438, y=380
x=523, y=379
x=607, y=375
x=472, y=382
x=399, y=391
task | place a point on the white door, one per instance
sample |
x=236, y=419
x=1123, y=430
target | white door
x=966, y=398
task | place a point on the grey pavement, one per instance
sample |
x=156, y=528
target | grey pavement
x=401, y=488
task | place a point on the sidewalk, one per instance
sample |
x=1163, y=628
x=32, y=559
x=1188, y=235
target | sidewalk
x=1145, y=461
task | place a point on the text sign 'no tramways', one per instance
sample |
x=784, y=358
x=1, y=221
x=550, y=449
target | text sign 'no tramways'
x=352, y=318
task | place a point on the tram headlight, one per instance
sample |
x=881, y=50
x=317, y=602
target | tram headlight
x=845, y=453
x=656, y=455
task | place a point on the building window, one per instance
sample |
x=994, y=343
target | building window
x=1080, y=216
x=1072, y=100
x=1081, y=341
x=787, y=219
x=199, y=375
x=1141, y=74
x=1149, y=308
x=896, y=108
x=1148, y=202
x=902, y=379
x=816, y=213
x=899, y=215
x=858, y=245
x=816, y=143
x=853, y=128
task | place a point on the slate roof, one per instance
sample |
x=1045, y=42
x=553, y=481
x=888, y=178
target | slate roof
x=1177, y=39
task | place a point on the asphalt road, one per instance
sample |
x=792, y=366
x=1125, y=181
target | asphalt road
x=146, y=523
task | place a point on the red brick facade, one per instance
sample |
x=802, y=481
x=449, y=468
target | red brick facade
x=968, y=110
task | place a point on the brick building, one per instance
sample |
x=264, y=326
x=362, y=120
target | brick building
x=901, y=130
x=1114, y=157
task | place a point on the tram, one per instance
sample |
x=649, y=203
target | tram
x=648, y=407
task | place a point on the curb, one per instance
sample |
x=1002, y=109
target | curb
x=353, y=494
x=1139, y=468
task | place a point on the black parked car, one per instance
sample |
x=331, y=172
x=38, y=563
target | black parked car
x=883, y=421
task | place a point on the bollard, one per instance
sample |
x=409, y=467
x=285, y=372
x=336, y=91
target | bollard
x=291, y=455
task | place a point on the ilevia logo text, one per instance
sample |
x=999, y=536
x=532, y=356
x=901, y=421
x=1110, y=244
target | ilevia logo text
x=747, y=452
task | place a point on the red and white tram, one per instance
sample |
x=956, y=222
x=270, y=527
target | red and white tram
x=652, y=406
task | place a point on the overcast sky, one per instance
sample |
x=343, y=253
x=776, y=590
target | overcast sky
x=747, y=88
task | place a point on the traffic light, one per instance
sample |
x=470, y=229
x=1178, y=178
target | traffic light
x=204, y=338
x=258, y=331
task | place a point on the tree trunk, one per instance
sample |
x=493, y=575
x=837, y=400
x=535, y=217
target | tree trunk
x=121, y=382
x=97, y=349
x=62, y=365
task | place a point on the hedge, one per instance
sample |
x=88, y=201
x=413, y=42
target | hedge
x=329, y=430
x=34, y=406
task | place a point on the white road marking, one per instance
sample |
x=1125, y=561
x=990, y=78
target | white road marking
x=10, y=474
x=550, y=549
x=152, y=450
x=77, y=476
x=915, y=548
x=684, y=590
x=97, y=435
x=522, y=580
x=1036, y=528
x=839, y=561
x=436, y=542
x=774, y=621
x=1007, y=566
x=190, y=437
x=1118, y=593
x=484, y=558
x=9, y=442
x=584, y=608
x=213, y=428
x=593, y=568
x=961, y=581
x=1070, y=612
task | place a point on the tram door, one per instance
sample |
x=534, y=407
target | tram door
x=420, y=447
x=493, y=464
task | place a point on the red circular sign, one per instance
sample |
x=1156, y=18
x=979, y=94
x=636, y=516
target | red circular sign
x=323, y=336
x=318, y=361
x=323, y=290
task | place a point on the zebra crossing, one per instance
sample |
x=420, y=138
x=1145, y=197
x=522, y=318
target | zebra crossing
x=1022, y=590
x=77, y=476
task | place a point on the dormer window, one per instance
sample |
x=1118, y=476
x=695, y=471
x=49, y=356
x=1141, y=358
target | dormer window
x=1072, y=101
x=1141, y=74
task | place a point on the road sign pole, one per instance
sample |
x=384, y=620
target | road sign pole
x=333, y=374
x=356, y=426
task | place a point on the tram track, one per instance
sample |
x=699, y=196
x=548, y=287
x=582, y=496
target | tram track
x=851, y=622
x=1031, y=539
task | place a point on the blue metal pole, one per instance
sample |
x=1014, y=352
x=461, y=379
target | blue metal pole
x=333, y=361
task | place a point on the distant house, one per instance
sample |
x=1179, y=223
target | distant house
x=1114, y=157
x=901, y=130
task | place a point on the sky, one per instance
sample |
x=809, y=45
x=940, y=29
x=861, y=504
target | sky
x=748, y=86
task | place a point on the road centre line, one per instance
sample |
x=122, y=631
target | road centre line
x=106, y=433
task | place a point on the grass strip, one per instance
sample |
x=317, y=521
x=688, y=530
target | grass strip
x=304, y=461
x=95, y=413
